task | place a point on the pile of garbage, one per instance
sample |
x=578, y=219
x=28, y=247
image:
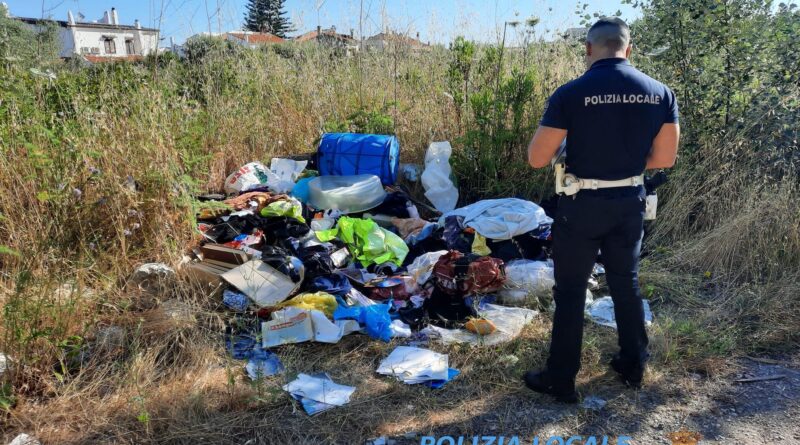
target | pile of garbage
x=327, y=245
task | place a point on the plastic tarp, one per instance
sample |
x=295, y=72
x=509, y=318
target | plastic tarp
x=344, y=154
x=366, y=241
x=501, y=219
x=509, y=322
x=439, y=188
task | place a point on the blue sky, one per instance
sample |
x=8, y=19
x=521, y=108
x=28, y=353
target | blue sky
x=435, y=20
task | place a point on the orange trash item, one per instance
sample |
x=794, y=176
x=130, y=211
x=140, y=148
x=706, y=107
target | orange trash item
x=480, y=326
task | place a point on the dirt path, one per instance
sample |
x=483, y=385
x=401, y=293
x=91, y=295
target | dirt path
x=721, y=411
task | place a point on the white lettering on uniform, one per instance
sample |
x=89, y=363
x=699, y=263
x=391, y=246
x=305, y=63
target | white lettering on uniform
x=622, y=99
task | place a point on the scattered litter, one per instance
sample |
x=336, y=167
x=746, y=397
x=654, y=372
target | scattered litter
x=383, y=440
x=501, y=219
x=24, y=439
x=415, y=365
x=761, y=379
x=601, y=311
x=524, y=278
x=508, y=360
x=235, y=301
x=593, y=403
x=154, y=278
x=439, y=188
x=3, y=364
x=509, y=322
x=318, y=393
x=400, y=329
x=348, y=194
x=287, y=172
x=343, y=154
x=263, y=364
x=368, y=242
x=480, y=326
x=422, y=266
x=375, y=318
x=265, y=285
x=321, y=301
x=248, y=176
x=296, y=325
x=410, y=171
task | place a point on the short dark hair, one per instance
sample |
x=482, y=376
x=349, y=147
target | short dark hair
x=610, y=32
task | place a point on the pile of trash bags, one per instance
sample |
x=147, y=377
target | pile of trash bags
x=298, y=254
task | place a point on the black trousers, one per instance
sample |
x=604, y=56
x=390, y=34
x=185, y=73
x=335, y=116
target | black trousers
x=609, y=221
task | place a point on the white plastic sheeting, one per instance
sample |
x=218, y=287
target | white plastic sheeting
x=509, y=322
x=526, y=277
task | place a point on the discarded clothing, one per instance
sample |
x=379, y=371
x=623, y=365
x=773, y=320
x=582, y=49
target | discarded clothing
x=318, y=393
x=320, y=301
x=281, y=260
x=501, y=219
x=409, y=226
x=454, y=236
x=445, y=309
x=368, y=242
x=253, y=200
x=479, y=246
x=601, y=311
x=335, y=284
x=461, y=274
x=375, y=318
x=317, y=261
x=395, y=204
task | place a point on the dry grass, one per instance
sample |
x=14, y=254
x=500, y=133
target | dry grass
x=170, y=381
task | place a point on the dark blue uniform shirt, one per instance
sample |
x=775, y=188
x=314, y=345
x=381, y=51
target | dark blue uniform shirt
x=611, y=113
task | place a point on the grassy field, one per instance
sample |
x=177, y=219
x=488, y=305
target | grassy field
x=99, y=165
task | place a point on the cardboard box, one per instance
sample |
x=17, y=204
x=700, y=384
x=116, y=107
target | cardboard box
x=264, y=284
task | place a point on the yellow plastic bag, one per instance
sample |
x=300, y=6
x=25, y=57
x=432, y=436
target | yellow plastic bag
x=321, y=301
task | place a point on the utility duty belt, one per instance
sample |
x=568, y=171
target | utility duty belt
x=569, y=185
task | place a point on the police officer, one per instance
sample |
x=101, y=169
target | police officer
x=617, y=122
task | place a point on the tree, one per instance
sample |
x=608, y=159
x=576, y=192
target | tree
x=267, y=16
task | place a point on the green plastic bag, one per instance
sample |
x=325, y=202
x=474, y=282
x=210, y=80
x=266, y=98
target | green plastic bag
x=292, y=209
x=368, y=242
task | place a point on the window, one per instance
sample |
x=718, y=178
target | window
x=129, y=48
x=109, y=45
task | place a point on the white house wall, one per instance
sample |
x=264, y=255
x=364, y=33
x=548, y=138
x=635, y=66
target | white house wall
x=145, y=42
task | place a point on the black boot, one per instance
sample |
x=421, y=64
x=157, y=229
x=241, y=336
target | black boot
x=631, y=373
x=542, y=382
